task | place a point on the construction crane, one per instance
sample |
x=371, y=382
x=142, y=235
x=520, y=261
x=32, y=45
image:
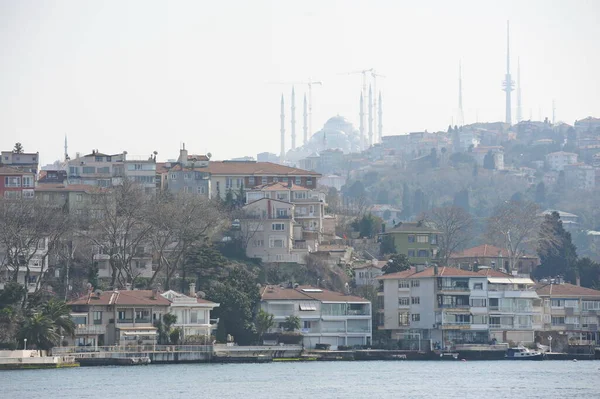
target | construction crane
x=310, y=84
x=364, y=78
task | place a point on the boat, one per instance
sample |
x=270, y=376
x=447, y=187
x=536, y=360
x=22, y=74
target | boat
x=522, y=353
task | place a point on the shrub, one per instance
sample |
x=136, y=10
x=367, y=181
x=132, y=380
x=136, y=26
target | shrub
x=324, y=347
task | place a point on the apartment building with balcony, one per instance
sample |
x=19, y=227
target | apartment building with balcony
x=571, y=310
x=493, y=257
x=444, y=305
x=512, y=307
x=126, y=317
x=23, y=161
x=97, y=169
x=29, y=263
x=75, y=199
x=270, y=232
x=558, y=160
x=16, y=183
x=192, y=312
x=326, y=317
x=416, y=240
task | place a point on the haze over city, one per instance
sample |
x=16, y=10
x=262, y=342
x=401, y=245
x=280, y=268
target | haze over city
x=149, y=75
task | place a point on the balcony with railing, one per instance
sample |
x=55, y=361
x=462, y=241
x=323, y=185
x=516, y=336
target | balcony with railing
x=84, y=329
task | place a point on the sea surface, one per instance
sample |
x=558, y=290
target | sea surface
x=373, y=379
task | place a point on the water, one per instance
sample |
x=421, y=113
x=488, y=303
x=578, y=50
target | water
x=488, y=380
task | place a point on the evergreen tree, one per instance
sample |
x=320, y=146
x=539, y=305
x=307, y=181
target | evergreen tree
x=461, y=200
x=489, y=161
x=396, y=263
x=557, y=253
x=18, y=148
x=406, y=201
x=540, y=193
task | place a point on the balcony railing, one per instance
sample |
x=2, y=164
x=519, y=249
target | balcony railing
x=453, y=288
x=454, y=306
x=130, y=321
x=89, y=329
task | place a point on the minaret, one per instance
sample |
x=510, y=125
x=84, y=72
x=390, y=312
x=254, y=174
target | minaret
x=519, y=115
x=66, y=149
x=461, y=115
x=379, y=119
x=305, y=120
x=282, y=154
x=363, y=139
x=553, y=112
x=370, y=116
x=293, y=119
x=508, y=83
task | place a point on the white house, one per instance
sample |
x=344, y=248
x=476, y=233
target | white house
x=326, y=317
x=193, y=313
x=558, y=160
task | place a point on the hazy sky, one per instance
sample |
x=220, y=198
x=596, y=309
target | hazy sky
x=148, y=75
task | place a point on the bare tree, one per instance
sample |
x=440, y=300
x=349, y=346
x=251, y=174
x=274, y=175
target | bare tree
x=512, y=225
x=455, y=225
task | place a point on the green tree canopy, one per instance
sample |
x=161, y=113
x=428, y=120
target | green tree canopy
x=557, y=253
x=291, y=323
x=396, y=263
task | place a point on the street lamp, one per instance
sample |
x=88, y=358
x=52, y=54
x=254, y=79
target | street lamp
x=25, y=344
x=550, y=343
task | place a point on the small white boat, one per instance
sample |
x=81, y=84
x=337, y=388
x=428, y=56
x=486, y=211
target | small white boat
x=522, y=353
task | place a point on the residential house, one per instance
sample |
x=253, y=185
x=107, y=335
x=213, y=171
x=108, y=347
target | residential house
x=366, y=273
x=30, y=263
x=267, y=157
x=493, y=257
x=270, y=232
x=24, y=161
x=75, y=199
x=589, y=124
x=16, y=183
x=326, y=317
x=52, y=177
x=570, y=310
x=580, y=176
x=193, y=313
x=480, y=152
x=141, y=172
x=416, y=240
x=512, y=304
x=558, y=160
x=334, y=181
x=123, y=318
x=97, y=169
x=444, y=305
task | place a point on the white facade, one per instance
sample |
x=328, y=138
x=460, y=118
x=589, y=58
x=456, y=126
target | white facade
x=193, y=314
x=558, y=160
x=580, y=177
x=37, y=260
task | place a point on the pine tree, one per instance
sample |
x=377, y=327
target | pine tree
x=558, y=254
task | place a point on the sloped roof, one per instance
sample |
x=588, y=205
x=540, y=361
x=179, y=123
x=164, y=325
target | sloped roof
x=485, y=251
x=49, y=187
x=7, y=170
x=122, y=297
x=493, y=273
x=255, y=168
x=412, y=227
x=398, y=275
x=275, y=292
x=565, y=289
x=279, y=186
x=445, y=272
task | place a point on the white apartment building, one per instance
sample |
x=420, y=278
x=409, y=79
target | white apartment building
x=326, y=317
x=35, y=258
x=580, y=176
x=558, y=160
x=512, y=303
x=367, y=273
x=96, y=169
x=193, y=313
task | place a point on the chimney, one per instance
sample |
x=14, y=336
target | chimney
x=128, y=286
x=192, y=289
x=419, y=268
x=183, y=156
x=435, y=270
x=578, y=280
x=154, y=292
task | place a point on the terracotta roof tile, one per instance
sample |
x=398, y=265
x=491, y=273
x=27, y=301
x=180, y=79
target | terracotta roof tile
x=485, y=251
x=412, y=227
x=445, y=272
x=275, y=292
x=398, y=275
x=124, y=297
x=565, y=289
x=279, y=186
x=493, y=273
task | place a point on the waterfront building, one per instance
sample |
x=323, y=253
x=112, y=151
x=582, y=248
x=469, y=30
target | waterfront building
x=119, y=317
x=326, y=317
x=193, y=313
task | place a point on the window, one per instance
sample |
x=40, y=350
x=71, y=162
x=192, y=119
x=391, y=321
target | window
x=239, y=183
x=275, y=179
x=591, y=305
x=200, y=190
x=137, y=166
x=403, y=319
x=281, y=212
x=193, y=316
x=411, y=253
x=186, y=176
x=572, y=303
x=99, y=159
x=415, y=283
x=403, y=284
x=278, y=226
x=300, y=195
x=285, y=180
x=415, y=300
x=557, y=303
x=27, y=181
x=558, y=321
x=174, y=176
x=228, y=182
x=423, y=239
x=572, y=320
x=73, y=170
x=423, y=253
x=258, y=243
x=411, y=238
x=89, y=169
x=434, y=239
x=108, y=159
x=276, y=243
x=12, y=181
x=142, y=315
x=186, y=189
x=263, y=180
x=479, y=319
x=104, y=170
x=586, y=321
x=298, y=180
x=251, y=180
x=478, y=286
x=309, y=181
x=478, y=302
x=29, y=194
x=121, y=315
x=12, y=194
x=97, y=317
x=79, y=197
x=415, y=317
x=403, y=301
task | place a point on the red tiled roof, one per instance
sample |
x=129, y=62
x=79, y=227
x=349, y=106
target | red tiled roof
x=565, y=289
x=483, y=251
x=275, y=292
x=161, y=167
x=445, y=272
x=398, y=275
x=62, y=187
x=255, y=168
x=493, y=273
x=278, y=186
x=125, y=297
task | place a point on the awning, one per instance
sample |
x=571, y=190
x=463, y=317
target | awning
x=510, y=280
x=308, y=306
x=140, y=333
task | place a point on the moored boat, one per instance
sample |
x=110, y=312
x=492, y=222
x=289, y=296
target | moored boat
x=522, y=353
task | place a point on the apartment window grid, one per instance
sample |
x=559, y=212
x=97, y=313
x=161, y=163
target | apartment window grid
x=415, y=317
x=558, y=321
x=590, y=305
x=422, y=239
x=403, y=319
x=415, y=283
x=403, y=284
x=478, y=302
x=298, y=180
x=263, y=180
x=12, y=181
x=403, y=301
x=28, y=181
x=411, y=238
x=278, y=227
